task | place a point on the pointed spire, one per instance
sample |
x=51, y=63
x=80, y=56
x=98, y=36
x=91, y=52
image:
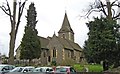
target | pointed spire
x=54, y=35
x=65, y=25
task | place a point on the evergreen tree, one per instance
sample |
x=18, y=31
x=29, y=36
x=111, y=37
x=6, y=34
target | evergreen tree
x=30, y=45
x=102, y=42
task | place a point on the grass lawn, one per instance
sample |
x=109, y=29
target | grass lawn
x=91, y=68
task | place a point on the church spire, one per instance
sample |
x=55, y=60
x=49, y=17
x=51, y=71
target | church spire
x=65, y=25
x=54, y=35
x=66, y=30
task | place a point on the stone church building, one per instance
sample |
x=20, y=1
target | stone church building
x=59, y=48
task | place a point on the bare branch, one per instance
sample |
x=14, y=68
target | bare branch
x=118, y=5
x=93, y=11
x=9, y=8
x=103, y=9
x=114, y=2
x=5, y=10
x=117, y=16
x=113, y=12
x=90, y=11
x=21, y=7
x=97, y=7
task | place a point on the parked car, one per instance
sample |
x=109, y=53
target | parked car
x=17, y=69
x=23, y=69
x=4, y=68
x=28, y=69
x=65, y=70
x=43, y=69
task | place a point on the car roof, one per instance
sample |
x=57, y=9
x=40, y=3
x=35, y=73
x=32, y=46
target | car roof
x=5, y=65
x=29, y=67
x=44, y=67
x=18, y=67
x=63, y=67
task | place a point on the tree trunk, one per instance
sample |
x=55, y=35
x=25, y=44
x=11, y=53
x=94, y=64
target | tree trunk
x=12, y=35
x=11, y=48
x=109, y=10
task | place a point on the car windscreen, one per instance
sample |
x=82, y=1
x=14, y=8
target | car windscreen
x=61, y=69
x=17, y=70
x=1, y=67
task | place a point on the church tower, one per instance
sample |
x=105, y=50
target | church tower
x=66, y=30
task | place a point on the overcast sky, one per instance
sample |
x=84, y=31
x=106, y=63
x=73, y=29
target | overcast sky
x=50, y=14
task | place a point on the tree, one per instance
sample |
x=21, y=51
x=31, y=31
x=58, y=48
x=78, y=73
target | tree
x=14, y=24
x=108, y=8
x=111, y=34
x=102, y=41
x=30, y=45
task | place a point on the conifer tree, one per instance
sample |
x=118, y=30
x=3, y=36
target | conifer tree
x=102, y=42
x=30, y=45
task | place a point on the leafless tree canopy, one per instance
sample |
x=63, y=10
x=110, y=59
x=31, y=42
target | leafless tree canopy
x=14, y=24
x=108, y=8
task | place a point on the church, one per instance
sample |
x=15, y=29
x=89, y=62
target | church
x=59, y=48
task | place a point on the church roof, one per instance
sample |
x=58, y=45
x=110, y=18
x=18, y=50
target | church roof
x=44, y=42
x=64, y=42
x=69, y=44
x=65, y=25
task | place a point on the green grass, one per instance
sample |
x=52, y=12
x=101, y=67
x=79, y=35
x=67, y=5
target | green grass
x=92, y=68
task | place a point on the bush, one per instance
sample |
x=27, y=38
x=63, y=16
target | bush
x=53, y=63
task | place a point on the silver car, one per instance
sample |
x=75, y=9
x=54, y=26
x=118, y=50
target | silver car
x=43, y=69
x=23, y=69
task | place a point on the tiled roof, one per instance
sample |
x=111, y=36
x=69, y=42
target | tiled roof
x=44, y=42
x=69, y=44
x=64, y=42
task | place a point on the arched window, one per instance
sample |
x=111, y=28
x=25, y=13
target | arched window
x=63, y=35
x=54, y=52
x=68, y=53
x=44, y=54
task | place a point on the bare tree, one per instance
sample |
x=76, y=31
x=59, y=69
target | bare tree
x=14, y=24
x=108, y=8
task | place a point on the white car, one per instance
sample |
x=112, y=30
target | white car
x=23, y=69
x=4, y=68
x=43, y=69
